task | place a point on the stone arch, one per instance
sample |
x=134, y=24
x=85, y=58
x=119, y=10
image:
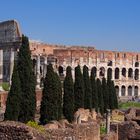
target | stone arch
x=61, y=71
x=130, y=91
x=117, y=90
x=130, y=73
x=136, y=90
x=136, y=74
x=136, y=64
x=94, y=71
x=123, y=90
x=117, y=72
x=102, y=72
x=109, y=73
x=124, y=72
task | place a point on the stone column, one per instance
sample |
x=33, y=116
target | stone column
x=120, y=90
x=108, y=121
x=11, y=64
x=45, y=66
x=38, y=72
x=113, y=73
x=1, y=65
x=133, y=88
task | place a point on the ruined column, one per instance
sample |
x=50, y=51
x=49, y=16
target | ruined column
x=1, y=66
x=11, y=64
x=108, y=121
x=45, y=66
x=38, y=72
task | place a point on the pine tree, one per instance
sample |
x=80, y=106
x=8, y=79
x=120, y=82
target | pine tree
x=13, y=99
x=105, y=94
x=51, y=104
x=87, y=88
x=94, y=91
x=68, y=98
x=100, y=96
x=28, y=82
x=78, y=89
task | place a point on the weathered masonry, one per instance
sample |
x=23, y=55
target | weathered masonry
x=122, y=67
x=10, y=41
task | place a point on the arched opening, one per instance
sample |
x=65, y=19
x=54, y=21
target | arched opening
x=136, y=64
x=130, y=91
x=94, y=71
x=109, y=73
x=102, y=72
x=123, y=91
x=130, y=73
x=61, y=71
x=34, y=63
x=136, y=90
x=124, y=72
x=117, y=90
x=117, y=71
x=109, y=63
x=136, y=74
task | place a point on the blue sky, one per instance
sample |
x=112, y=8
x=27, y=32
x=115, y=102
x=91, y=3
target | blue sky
x=105, y=24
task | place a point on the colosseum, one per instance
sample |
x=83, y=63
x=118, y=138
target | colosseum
x=123, y=67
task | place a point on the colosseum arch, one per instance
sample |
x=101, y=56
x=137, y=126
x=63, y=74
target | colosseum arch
x=117, y=72
x=61, y=71
x=124, y=72
x=130, y=91
x=136, y=90
x=123, y=90
x=117, y=90
x=136, y=74
x=130, y=73
x=94, y=71
x=102, y=72
x=136, y=64
x=109, y=73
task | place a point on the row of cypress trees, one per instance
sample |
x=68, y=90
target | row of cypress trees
x=87, y=92
x=21, y=100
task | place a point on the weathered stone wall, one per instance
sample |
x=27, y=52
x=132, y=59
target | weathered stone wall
x=18, y=131
x=128, y=130
x=84, y=131
x=110, y=136
x=14, y=130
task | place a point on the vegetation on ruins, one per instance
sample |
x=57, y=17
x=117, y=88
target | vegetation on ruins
x=13, y=99
x=130, y=104
x=68, y=98
x=51, y=104
x=28, y=83
x=105, y=94
x=87, y=88
x=100, y=96
x=78, y=89
x=94, y=91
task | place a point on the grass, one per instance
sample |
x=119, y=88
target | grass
x=127, y=105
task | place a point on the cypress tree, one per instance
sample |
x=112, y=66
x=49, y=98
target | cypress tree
x=78, y=89
x=100, y=96
x=110, y=92
x=68, y=98
x=27, y=78
x=51, y=104
x=94, y=91
x=105, y=94
x=13, y=99
x=87, y=88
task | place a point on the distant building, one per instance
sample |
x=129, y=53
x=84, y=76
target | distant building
x=122, y=67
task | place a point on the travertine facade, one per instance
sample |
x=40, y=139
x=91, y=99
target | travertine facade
x=123, y=67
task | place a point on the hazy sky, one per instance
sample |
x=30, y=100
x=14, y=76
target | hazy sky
x=105, y=24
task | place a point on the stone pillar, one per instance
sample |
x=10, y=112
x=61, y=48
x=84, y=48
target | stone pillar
x=45, y=66
x=120, y=88
x=108, y=121
x=126, y=91
x=38, y=72
x=11, y=64
x=133, y=88
x=120, y=73
x=113, y=74
x=1, y=66
x=98, y=72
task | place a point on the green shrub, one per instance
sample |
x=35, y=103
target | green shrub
x=5, y=86
x=102, y=130
x=129, y=105
x=36, y=126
